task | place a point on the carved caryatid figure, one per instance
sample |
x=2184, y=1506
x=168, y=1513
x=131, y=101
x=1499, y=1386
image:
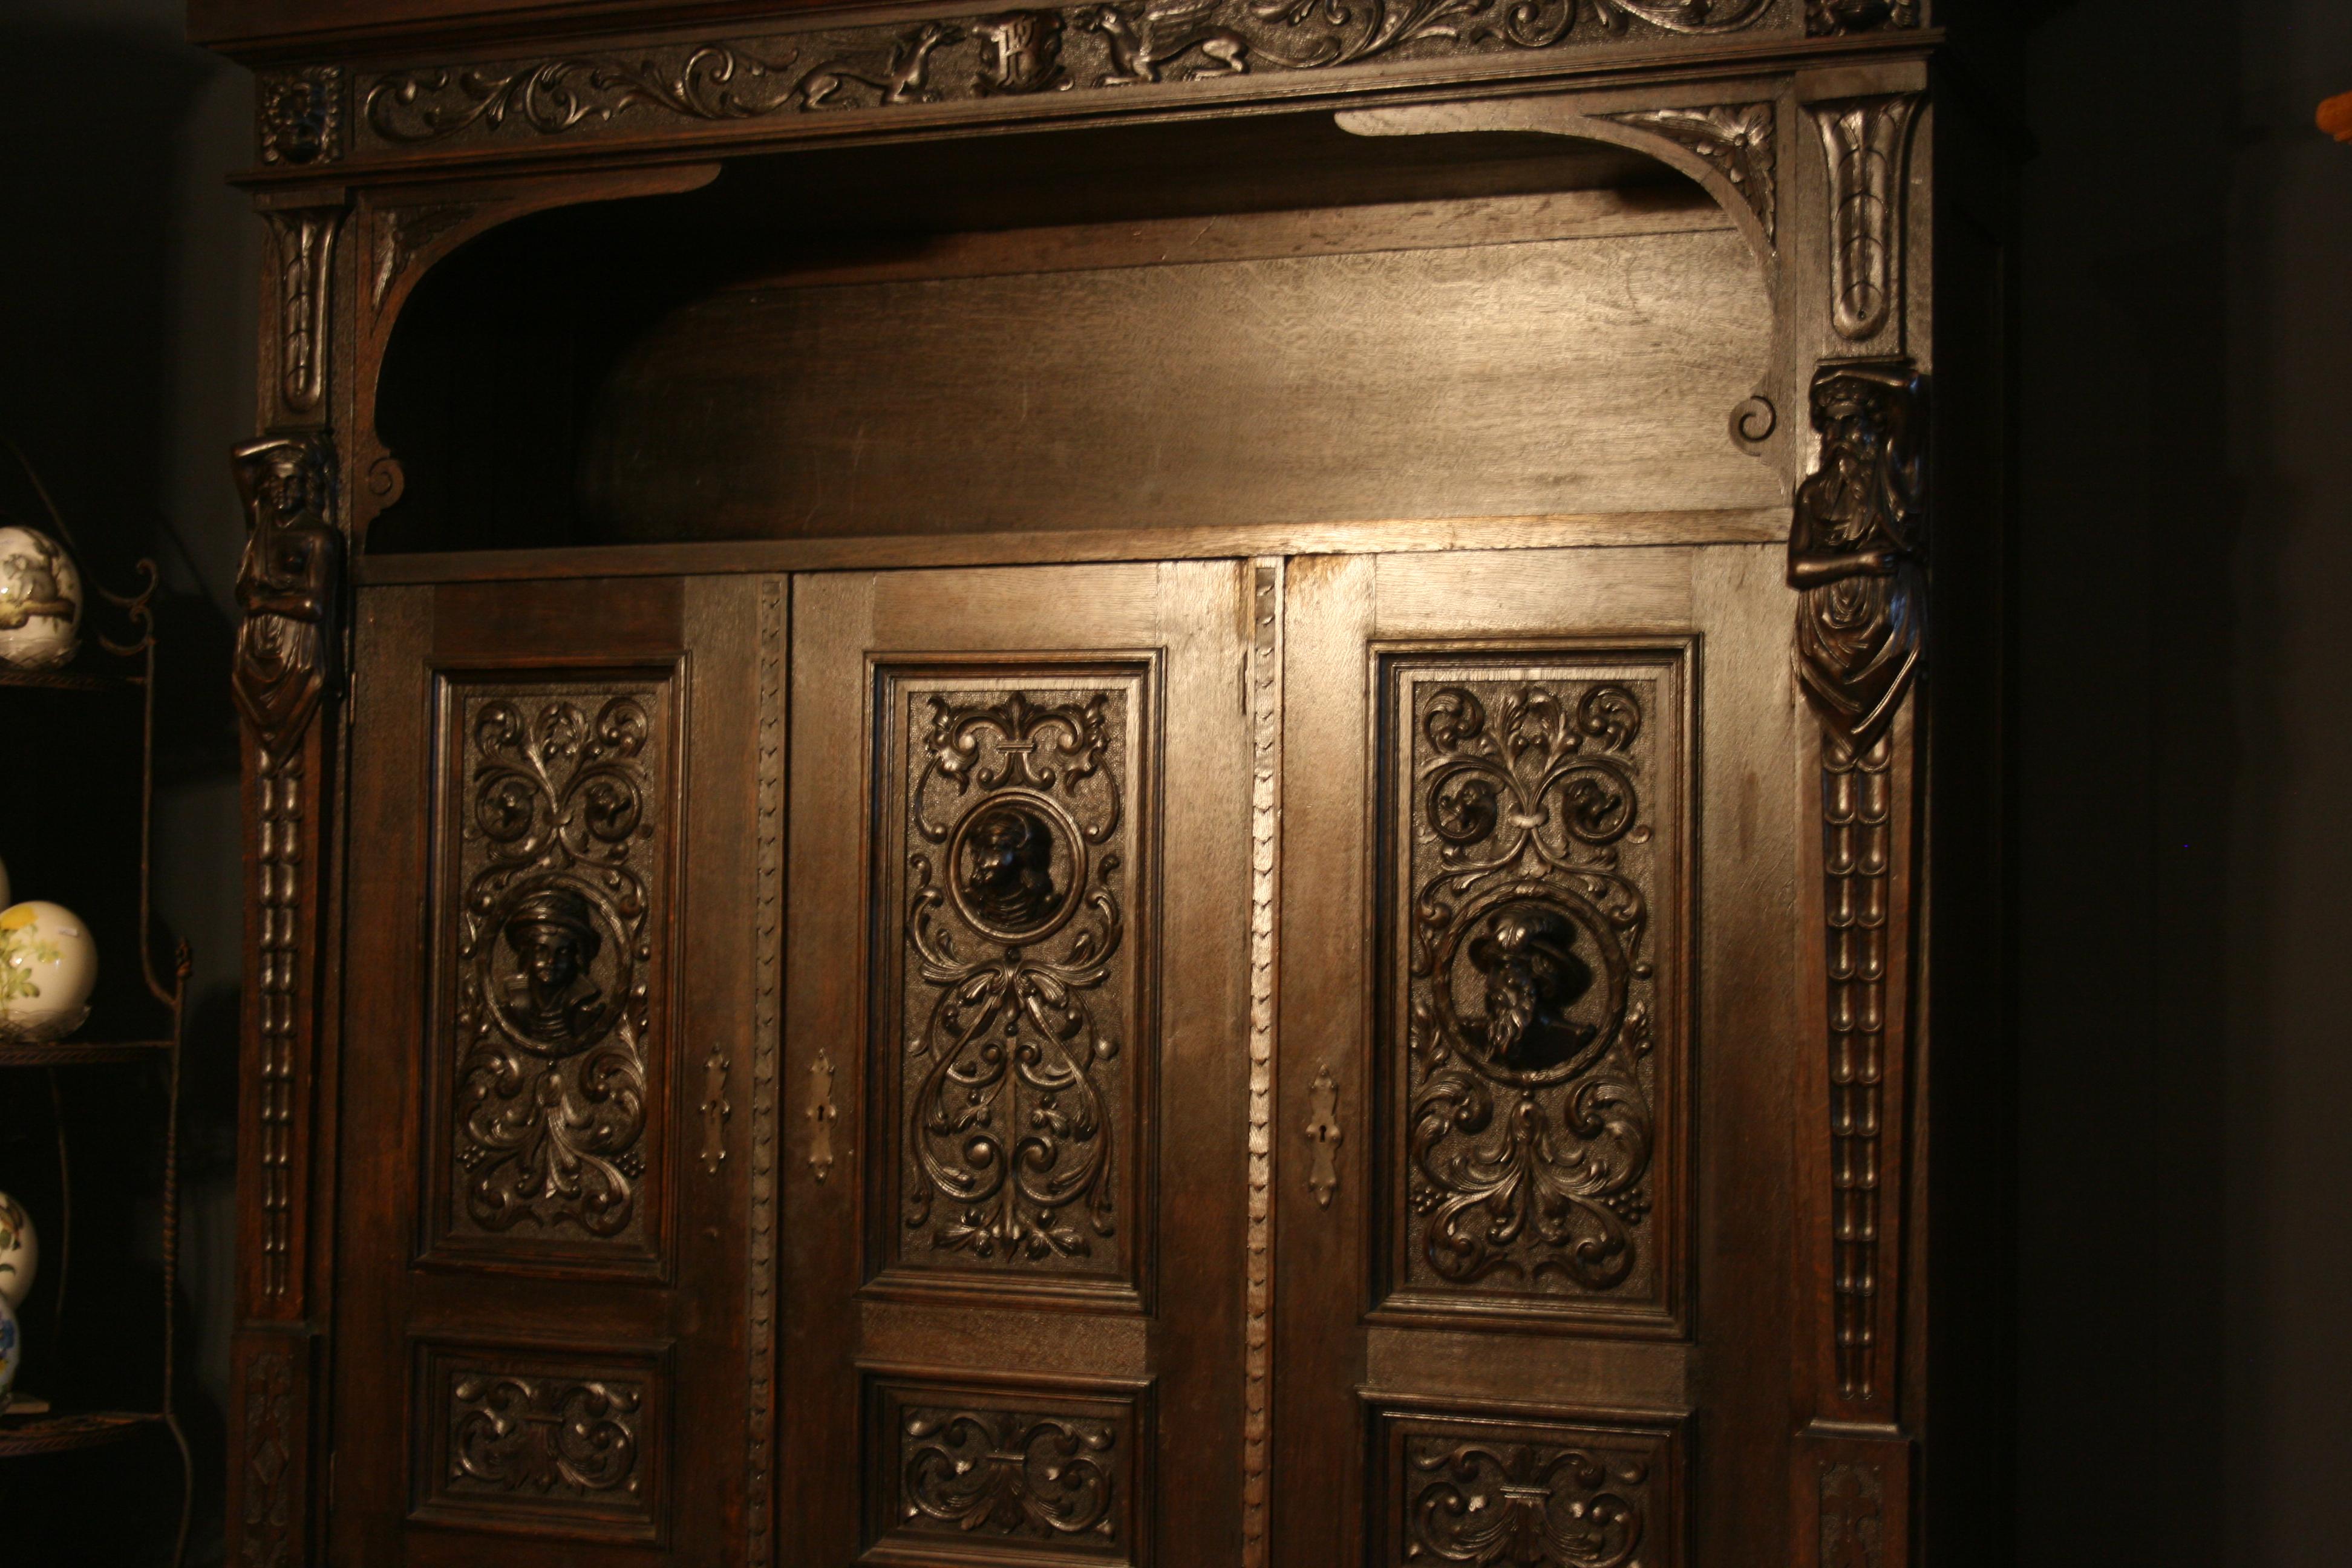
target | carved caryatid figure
x=288, y=587
x=1856, y=547
x=1008, y=874
x=1527, y=954
x=554, y=939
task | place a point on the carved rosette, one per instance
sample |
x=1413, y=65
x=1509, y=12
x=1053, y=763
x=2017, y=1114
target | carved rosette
x=1016, y=987
x=1857, y=557
x=559, y=875
x=299, y=115
x=1088, y=47
x=1533, y=811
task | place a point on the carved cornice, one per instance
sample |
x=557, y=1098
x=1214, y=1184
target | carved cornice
x=1867, y=143
x=1084, y=48
x=1736, y=138
x=299, y=115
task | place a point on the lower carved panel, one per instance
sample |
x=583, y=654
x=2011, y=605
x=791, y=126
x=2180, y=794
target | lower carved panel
x=1523, y=1490
x=541, y=1442
x=1004, y=1473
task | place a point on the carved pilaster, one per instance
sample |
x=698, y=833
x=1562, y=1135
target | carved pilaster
x=1867, y=143
x=1857, y=558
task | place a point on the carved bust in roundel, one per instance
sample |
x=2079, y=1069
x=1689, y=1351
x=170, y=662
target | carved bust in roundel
x=1008, y=872
x=1534, y=975
x=551, y=996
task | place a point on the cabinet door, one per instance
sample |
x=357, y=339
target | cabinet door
x=1539, y=1027
x=1017, y=982
x=541, y=1311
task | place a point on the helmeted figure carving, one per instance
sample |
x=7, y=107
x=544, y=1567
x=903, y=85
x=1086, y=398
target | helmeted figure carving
x=555, y=942
x=1527, y=955
x=289, y=587
x=1856, y=548
x=1009, y=870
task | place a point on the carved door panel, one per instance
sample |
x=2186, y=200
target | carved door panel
x=1017, y=996
x=1535, y=1247
x=543, y=1305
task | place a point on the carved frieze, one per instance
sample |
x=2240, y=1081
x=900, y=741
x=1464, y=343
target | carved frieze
x=1857, y=558
x=988, y=1472
x=1867, y=143
x=1840, y=18
x=1491, y=1492
x=1533, y=809
x=1736, y=139
x=526, y=1439
x=1086, y=46
x=300, y=115
x=1016, y=999
x=556, y=840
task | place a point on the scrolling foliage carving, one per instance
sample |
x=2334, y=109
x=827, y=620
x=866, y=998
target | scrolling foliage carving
x=1857, y=557
x=526, y=1439
x=1004, y=1471
x=558, y=880
x=1016, y=993
x=1736, y=139
x=1497, y=1494
x=1532, y=807
x=1089, y=46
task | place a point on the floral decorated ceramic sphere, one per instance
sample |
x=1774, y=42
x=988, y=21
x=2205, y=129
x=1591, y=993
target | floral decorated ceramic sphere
x=12, y=1353
x=47, y=965
x=20, y=1252
x=40, y=600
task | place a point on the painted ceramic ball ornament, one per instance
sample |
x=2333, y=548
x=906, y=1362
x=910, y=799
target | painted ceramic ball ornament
x=12, y=1353
x=40, y=600
x=20, y=1252
x=47, y=965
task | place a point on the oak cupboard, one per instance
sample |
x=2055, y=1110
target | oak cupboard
x=1171, y=782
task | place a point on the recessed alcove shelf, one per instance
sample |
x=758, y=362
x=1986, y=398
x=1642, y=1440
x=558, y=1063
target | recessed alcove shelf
x=1236, y=322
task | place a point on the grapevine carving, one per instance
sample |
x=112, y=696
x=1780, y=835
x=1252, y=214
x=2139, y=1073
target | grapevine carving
x=554, y=955
x=1527, y=1080
x=1014, y=929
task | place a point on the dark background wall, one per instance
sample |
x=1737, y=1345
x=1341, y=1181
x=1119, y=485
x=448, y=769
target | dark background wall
x=2185, y=1255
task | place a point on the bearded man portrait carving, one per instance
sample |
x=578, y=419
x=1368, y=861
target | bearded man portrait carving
x=554, y=939
x=1534, y=975
x=1008, y=872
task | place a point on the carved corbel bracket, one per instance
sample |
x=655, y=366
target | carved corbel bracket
x=1730, y=148
x=302, y=244
x=1857, y=549
x=1867, y=145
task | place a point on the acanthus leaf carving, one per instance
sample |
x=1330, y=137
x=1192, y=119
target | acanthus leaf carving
x=1736, y=139
x=1857, y=556
x=1491, y=1504
x=1867, y=143
x=1090, y=46
x=555, y=936
x=404, y=233
x=1528, y=842
x=1008, y=1474
x=1014, y=929
x=512, y=1434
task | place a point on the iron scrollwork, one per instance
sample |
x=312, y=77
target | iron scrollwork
x=1014, y=930
x=1857, y=557
x=1528, y=1075
x=554, y=958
